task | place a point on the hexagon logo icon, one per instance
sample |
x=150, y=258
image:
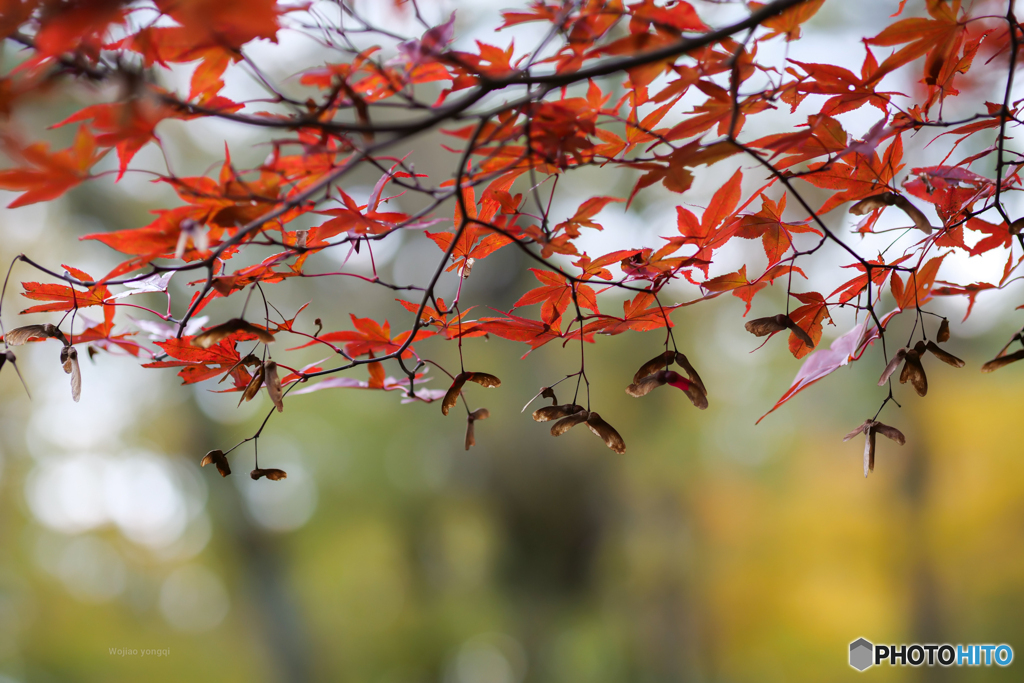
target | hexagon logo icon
x=861, y=654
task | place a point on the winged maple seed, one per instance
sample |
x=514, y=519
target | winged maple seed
x=913, y=370
x=273, y=385
x=943, y=334
x=879, y=201
x=218, y=333
x=270, y=473
x=21, y=335
x=217, y=458
x=254, y=385
x=452, y=395
x=556, y=412
x=607, y=433
x=869, y=429
x=478, y=414
x=762, y=327
x=69, y=361
x=693, y=390
x=1002, y=361
x=569, y=421
x=661, y=361
x=649, y=377
x=1002, y=358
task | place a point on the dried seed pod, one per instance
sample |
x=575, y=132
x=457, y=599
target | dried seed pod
x=219, y=459
x=947, y=358
x=21, y=335
x=920, y=220
x=693, y=390
x=69, y=361
x=762, y=327
x=869, y=429
x=943, y=334
x=646, y=385
x=451, y=397
x=800, y=333
x=270, y=473
x=249, y=360
x=253, y=387
x=869, y=451
x=483, y=379
x=478, y=414
x=606, y=432
x=860, y=428
x=659, y=362
x=890, y=433
x=913, y=372
x=684, y=363
x=273, y=383
x=894, y=363
x=869, y=204
x=548, y=413
x=567, y=423
x=217, y=333
x=1002, y=361
x=878, y=201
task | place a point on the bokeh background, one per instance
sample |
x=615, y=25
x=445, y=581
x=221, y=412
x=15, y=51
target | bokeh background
x=713, y=550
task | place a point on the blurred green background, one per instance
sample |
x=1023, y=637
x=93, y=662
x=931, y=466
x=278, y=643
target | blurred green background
x=712, y=550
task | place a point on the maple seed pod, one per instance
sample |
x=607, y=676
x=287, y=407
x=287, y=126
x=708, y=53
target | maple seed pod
x=943, y=335
x=869, y=429
x=219, y=459
x=451, y=397
x=945, y=357
x=69, y=361
x=890, y=368
x=567, y=423
x=253, y=387
x=217, y=333
x=913, y=372
x=693, y=390
x=1002, y=361
x=21, y=335
x=269, y=473
x=478, y=414
x=606, y=432
x=548, y=413
x=684, y=363
x=548, y=392
x=869, y=204
x=800, y=333
x=646, y=385
x=762, y=327
x=483, y=379
x=659, y=362
x=273, y=384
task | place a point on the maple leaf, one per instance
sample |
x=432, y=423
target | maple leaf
x=714, y=228
x=776, y=235
x=555, y=296
x=371, y=338
x=64, y=297
x=45, y=175
x=199, y=364
x=919, y=284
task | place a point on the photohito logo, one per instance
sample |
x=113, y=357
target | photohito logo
x=864, y=654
